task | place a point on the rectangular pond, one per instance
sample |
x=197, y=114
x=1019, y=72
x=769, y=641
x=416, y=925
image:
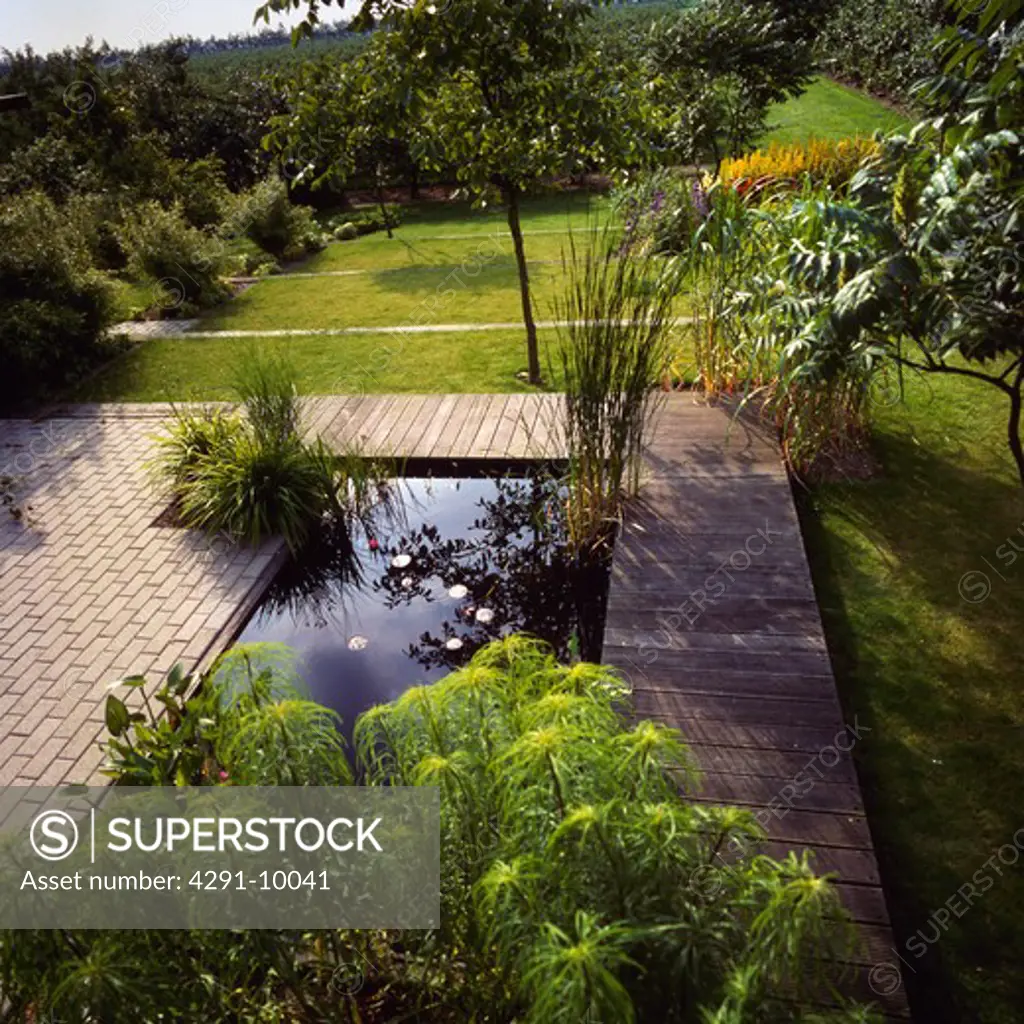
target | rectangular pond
x=438, y=568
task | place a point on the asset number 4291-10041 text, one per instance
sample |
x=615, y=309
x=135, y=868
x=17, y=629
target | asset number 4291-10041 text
x=265, y=881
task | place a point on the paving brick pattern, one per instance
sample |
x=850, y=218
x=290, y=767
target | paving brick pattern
x=92, y=591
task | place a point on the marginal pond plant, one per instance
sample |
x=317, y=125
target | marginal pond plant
x=616, y=315
x=578, y=882
x=761, y=267
x=251, y=472
x=246, y=720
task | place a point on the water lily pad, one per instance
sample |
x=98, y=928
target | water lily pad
x=401, y=561
x=485, y=615
x=458, y=591
x=357, y=643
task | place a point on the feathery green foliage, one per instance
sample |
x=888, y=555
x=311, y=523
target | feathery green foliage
x=579, y=883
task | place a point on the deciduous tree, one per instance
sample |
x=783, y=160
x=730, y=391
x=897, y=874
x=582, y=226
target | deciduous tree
x=502, y=92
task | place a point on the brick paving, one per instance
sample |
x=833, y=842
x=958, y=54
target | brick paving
x=92, y=591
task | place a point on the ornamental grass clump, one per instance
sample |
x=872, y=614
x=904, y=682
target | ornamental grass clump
x=250, y=472
x=612, y=353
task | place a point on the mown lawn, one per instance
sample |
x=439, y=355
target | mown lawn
x=938, y=681
x=559, y=212
x=388, y=298
x=828, y=110
x=405, y=250
x=184, y=368
x=447, y=264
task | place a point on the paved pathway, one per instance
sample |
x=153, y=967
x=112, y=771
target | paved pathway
x=145, y=330
x=363, y=271
x=93, y=591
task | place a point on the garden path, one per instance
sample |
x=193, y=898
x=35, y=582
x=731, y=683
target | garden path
x=712, y=617
x=93, y=589
x=146, y=330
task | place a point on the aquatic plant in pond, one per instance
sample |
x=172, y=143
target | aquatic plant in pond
x=251, y=472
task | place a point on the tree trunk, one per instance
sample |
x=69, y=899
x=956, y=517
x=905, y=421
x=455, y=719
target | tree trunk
x=512, y=205
x=1013, y=426
x=381, y=203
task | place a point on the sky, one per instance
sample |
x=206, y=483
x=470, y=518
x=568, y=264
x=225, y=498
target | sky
x=54, y=24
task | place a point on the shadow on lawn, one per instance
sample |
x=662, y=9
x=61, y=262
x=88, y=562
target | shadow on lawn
x=933, y=678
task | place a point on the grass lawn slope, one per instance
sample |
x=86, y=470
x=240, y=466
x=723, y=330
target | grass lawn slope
x=937, y=679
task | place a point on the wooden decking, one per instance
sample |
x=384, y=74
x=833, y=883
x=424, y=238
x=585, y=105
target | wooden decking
x=442, y=426
x=712, y=617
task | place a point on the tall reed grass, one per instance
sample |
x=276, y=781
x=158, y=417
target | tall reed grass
x=613, y=350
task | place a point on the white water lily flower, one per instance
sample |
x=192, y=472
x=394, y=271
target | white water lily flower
x=485, y=615
x=458, y=591
x=401, y=561
x=407, y=582
x=357, y=643
x=455, y=644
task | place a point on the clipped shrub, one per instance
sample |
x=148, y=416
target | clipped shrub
x=188, y=264
x=829, y=162
x=366, y=220
x=346, y=232
x=267, y=216
x=55, y=306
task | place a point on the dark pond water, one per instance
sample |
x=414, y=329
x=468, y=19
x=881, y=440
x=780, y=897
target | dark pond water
x=441, y=567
